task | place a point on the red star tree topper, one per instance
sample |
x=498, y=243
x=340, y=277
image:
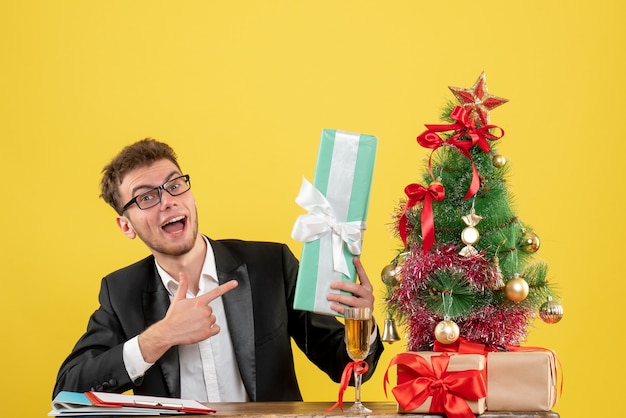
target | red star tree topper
x=477, y=101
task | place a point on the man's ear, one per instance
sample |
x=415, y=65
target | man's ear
x=126, y=227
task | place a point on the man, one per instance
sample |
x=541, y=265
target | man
x=203, y=319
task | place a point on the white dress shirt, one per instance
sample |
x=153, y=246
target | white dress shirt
x=208, y=369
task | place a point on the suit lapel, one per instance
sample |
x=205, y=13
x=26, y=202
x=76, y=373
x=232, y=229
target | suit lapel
x=239, y=314
x=156, y=301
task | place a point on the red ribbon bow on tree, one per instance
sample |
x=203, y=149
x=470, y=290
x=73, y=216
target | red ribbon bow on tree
x=464, y=127
x=417, y=193
x=358, y=367
x=449, y=390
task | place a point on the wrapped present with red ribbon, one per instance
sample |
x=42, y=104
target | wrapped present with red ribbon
x=455, y=385
x=522, y=378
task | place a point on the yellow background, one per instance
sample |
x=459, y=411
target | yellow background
x=242, y=90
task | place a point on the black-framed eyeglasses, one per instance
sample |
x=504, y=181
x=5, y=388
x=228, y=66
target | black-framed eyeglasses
x=152, y=197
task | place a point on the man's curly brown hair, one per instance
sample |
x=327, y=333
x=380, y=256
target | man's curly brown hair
x=140, y=154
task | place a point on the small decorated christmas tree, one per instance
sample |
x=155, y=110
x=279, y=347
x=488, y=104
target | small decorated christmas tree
x=467, y=265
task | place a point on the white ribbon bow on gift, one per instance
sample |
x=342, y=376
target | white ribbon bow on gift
x=321, y=220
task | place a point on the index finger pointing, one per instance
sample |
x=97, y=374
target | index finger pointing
x=219, y=291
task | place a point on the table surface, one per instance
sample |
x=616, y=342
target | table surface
x=317, y=409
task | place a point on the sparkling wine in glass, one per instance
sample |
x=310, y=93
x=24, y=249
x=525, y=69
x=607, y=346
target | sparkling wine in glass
x=358, y=327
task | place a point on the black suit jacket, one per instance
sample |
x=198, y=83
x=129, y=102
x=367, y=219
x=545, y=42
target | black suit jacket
x=260, y=317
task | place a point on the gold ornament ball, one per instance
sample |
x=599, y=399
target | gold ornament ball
x=551, y=312
x=530, y=242
x=516, y=289
x=389, y=275
x=498, y=160
x=447, y=331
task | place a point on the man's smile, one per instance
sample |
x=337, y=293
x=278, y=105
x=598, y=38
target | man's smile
x=175, y=225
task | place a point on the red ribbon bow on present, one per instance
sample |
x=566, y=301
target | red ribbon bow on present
x=463, y=126
x=449, y=390
x=356, y=367
x=417, y=193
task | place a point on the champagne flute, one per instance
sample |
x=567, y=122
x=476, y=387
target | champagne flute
x=358, y=327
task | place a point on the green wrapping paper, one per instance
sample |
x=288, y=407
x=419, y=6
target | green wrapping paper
x=337, y=202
